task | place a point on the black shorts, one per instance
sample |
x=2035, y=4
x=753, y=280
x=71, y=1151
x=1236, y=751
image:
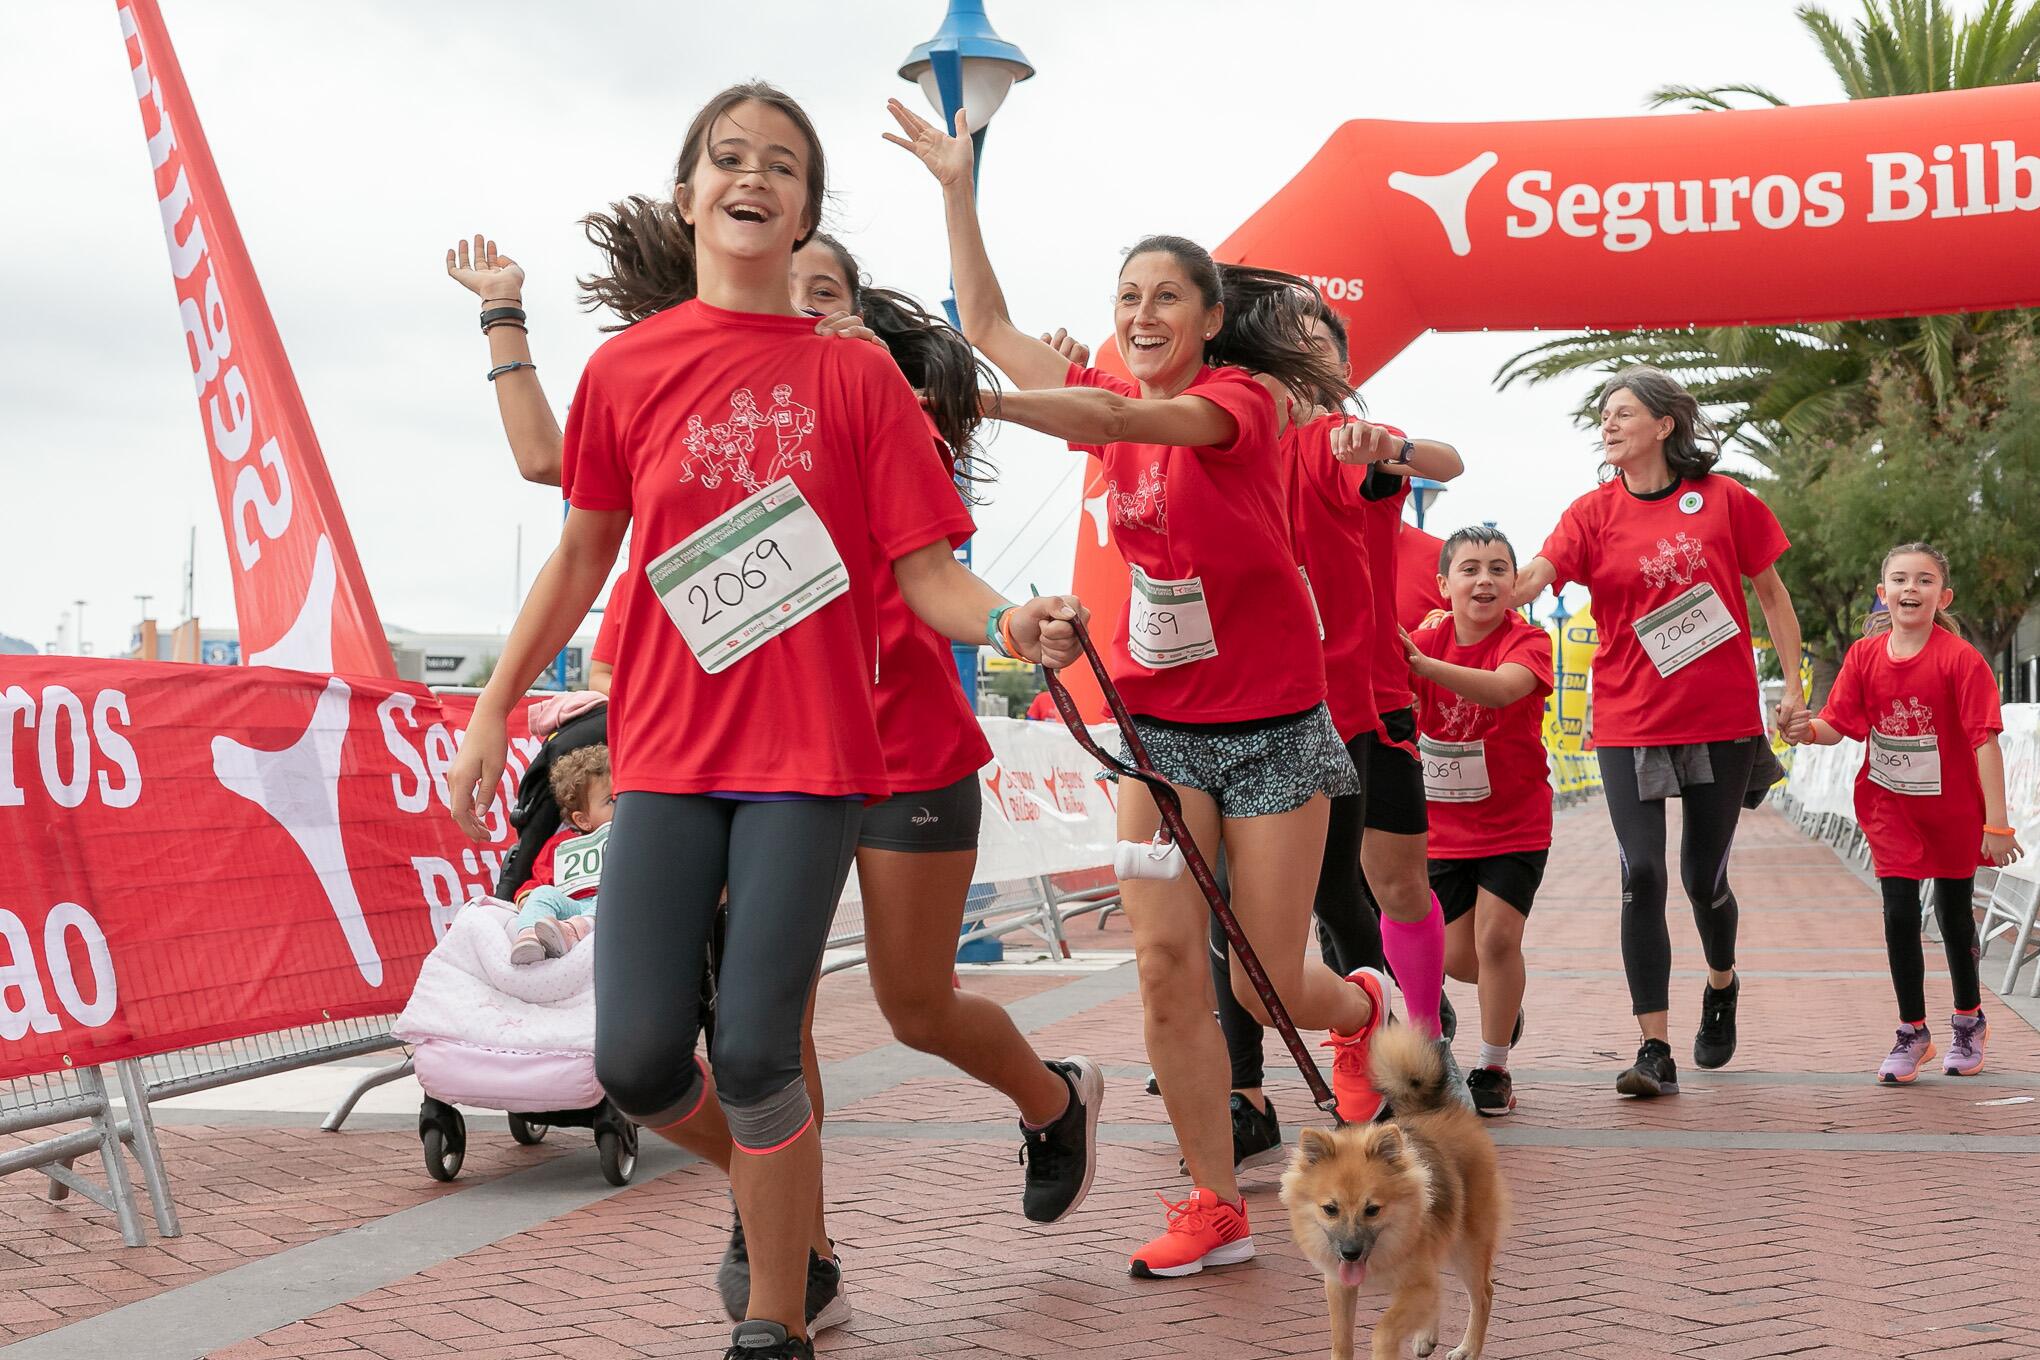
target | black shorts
x=925, y=823
x=1395, y=777
x=1512, y=877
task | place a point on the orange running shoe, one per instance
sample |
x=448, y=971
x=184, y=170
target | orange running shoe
x=1351, y=1083
x=1203, y=1231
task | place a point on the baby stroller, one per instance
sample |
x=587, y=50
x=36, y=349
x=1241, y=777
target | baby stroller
x=491, y=1034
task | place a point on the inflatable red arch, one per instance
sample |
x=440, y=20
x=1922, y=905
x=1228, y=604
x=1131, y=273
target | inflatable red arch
x=1881, y=207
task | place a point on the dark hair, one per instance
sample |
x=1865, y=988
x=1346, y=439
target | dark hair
x=1693, y=448
x=934, y=356
x=1880, y=619
x=574, y=772
x=1267, y=320
x=649, y=247
x=1482, y=534
x=1320, y=310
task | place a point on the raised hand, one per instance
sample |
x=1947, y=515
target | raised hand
x=490, y=276
x=947, y=157
x=1067, y=345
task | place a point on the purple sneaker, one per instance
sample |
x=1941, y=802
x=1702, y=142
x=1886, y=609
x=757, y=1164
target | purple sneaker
x=1915, y=1047
x=1965, y=1050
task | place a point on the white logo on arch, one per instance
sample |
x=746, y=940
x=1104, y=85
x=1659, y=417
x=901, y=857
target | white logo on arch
x=1447, y=195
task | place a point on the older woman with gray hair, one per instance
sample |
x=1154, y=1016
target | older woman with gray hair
x=1662, y=546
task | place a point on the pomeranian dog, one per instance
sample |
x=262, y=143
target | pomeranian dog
x=1387, y=1204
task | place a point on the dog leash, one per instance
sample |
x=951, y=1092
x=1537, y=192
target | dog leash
x=1170, y=804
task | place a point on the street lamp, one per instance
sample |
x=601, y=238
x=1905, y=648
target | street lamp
x=966, y=65
x=1422, y=492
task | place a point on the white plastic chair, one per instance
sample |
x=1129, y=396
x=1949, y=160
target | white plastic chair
x=2014, y=902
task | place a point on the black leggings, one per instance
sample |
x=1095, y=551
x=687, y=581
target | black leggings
x=1348, y=929
x=1902, y=942
x=669, y=857
x=1707, y=834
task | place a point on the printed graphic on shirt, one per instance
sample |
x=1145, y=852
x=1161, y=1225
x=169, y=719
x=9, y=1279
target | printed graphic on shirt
x=1908, y=719
x=1146, y=506
x=1678, y=559
x=729, y=448
x=1457, y=720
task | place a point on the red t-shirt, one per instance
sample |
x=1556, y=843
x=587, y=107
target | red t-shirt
x=1327, y=517
x=681, y=419
x=1382, y=525
x=612, y=623
x=931, y=736
x=542, y=862
x=1043, y=709
x=1416, y=576
x=1215, y=513
x=1946, y=691
x=1516, y=814
x=1638, y=556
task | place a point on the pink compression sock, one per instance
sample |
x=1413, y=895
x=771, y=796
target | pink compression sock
x=1416, y=953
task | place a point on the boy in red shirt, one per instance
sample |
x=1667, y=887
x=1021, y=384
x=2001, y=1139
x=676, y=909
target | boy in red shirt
x=1480, y=674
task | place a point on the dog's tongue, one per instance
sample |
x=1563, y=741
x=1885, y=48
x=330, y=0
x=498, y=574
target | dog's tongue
x=1352, y=1273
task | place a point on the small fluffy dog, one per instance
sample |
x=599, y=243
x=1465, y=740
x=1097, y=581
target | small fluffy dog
x=1388, y=1203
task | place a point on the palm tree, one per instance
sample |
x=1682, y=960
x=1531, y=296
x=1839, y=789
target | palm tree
x=1781, y=394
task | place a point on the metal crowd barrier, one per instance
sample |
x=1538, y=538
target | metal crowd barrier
x=46, y=1101
x=1040, y=905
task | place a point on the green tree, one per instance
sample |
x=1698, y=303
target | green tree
x=1805, y=402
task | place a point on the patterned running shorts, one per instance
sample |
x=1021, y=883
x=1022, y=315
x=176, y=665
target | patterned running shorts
x=1253, y=773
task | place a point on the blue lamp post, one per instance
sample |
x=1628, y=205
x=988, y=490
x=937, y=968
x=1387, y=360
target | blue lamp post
x=1422, y=492
x=966, y=65
x=1559, y=614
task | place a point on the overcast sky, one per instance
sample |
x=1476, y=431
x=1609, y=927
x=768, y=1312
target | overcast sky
x=358, y=141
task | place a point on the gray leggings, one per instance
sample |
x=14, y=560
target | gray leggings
x=1707, y=833
x=669, y=857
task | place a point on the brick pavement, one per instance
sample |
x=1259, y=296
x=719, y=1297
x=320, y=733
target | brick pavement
x=1787, y=1206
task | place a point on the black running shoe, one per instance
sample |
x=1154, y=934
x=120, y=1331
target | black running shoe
x=762, y=1340
x=826, y=1306
x=1714, y=1045
x=733, y=1276
x=1256, y=1137
x=1494, y=1094
x=1060, y=1158
x=1516, y=1034
x=1448, y=1019
x=1154, y=1084
x=1655, y=1074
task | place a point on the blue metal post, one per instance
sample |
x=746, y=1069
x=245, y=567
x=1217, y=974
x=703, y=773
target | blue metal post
x=948, y=66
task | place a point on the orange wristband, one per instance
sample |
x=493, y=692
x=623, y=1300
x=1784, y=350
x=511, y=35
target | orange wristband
x=1006, y=634
x=1999, y=831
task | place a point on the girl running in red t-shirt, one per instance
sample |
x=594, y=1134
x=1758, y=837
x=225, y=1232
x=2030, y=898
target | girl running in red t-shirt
x=1930, y=795
x=1480, y=676
x=738, y=755
x=917, y=850
x=1663, y=548
x=1218, y=657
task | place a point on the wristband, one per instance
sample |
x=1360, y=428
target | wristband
x=494, y=314
x=1006, y=632
x=1999, y=831
x=500, y=369
x=993, y=619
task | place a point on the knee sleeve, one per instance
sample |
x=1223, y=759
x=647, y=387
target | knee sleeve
x=762, y=1124
x=656, y=1097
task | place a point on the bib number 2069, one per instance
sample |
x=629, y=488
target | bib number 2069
x=748, y=575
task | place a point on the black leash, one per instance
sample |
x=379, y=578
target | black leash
x=1170, y=804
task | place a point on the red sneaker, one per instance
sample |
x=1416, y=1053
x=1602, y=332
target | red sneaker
x=1203, y=1231
x=1351, y=1083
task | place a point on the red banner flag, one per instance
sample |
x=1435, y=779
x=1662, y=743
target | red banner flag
x=1878, y=207
x=299, y=593
x=205, y=853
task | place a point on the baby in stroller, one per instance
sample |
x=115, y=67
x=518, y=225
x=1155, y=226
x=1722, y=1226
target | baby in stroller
x=556, y=905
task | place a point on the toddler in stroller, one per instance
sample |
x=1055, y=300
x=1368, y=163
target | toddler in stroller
x=557, y=903
x=487, y=1028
